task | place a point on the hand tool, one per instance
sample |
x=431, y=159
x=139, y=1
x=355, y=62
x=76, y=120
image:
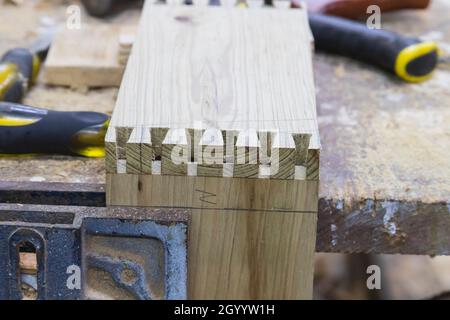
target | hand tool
x=30, y=130
x=214, y=2
x=98, y=8
x=103, y=8
x=241, y=4
x=408, y=58
x=19, y=67
x=353, y=9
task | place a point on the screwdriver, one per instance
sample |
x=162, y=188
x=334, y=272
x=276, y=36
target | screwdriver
x=30, y=130
x=19, y=68
x=410, y=59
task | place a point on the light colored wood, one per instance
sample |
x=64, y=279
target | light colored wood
x=139, y=152
x=212, y=192
x=283, y=156
x=175, y=155
x=228, y=96
x=263, y=251
x=246, y=155
x=212, y=154
x=301, y=143
x=251, y=255
x=92, y=56
x=312, y=165
x=223, y=69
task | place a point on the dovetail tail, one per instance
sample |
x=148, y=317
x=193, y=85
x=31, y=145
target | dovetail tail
x=139, y=151
x=122, y=136
x=175, y=153
x=157, y=136
x=211, y=154
x=282, y=160
x=133, y=152
x=301, y=147
x=246, y=155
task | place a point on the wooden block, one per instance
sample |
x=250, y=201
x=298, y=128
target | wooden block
x=225, y=77
x=301, y=148
x=87, y=57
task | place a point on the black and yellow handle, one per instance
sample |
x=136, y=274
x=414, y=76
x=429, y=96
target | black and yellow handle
x=18, y=69
x=29, y=130
x=408, y=58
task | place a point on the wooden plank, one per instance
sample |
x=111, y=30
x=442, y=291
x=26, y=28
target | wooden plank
x=260, y=90
x=218, y=81
x=139, y=152
x=92, y=56
x=383, y=226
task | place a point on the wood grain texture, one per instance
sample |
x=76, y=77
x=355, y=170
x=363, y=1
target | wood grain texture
x=383, y=226
x=251, y=255
x=139, y=152
x=228, y=96
x=212, y=192
x=224, y=69
x=92, y=56
x=239, y=248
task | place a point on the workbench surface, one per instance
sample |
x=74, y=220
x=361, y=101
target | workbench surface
x=385, y=161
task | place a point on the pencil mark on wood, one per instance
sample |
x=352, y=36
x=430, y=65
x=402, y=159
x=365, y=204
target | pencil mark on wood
x=205, y=195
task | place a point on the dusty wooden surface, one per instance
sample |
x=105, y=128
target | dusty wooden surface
x=385, y=170
x=385, y=161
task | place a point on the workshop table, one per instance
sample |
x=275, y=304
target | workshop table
x=385, y=160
